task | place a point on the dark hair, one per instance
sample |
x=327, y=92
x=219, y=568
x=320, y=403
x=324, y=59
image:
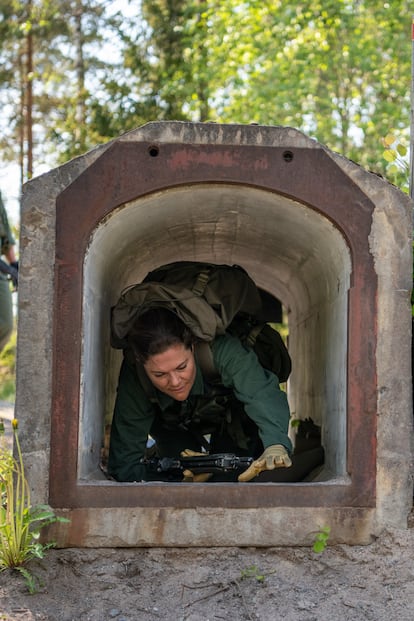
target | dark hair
x=155, y=331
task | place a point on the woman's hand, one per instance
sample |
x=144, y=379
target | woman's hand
x=190, y=477
x=275, y=456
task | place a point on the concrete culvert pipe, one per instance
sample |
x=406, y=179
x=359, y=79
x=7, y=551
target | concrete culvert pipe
x=331, y=241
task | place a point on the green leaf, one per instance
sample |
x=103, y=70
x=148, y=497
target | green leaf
x=319, y=546
x=389, y=140
x=402, y=149
x=389, y=155
x=393, y=169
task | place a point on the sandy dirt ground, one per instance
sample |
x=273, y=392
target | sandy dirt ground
x=343, y=583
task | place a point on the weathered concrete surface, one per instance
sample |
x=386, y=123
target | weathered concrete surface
x=198, y=527
x=306, y=246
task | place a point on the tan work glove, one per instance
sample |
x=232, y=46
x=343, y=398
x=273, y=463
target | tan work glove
x=275, y=456
x=190, y=477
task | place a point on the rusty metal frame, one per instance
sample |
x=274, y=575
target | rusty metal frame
x=129, y=170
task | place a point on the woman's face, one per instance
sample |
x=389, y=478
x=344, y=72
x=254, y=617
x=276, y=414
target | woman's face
x=173, y=372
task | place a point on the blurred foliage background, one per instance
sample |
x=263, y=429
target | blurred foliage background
x=77, y=73
x=8, y=370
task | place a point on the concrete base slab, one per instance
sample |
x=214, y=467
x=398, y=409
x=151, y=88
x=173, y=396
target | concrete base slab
x=170, y=527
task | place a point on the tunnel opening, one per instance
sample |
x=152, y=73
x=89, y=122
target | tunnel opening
x=290, y=249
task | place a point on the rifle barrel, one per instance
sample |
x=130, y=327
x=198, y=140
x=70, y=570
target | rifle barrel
x=220, y=462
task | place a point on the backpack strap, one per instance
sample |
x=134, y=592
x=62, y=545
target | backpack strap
x=204, y=357
x=251, y=338
x=200, y=284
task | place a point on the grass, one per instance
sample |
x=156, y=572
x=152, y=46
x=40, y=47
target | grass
x=20, y=522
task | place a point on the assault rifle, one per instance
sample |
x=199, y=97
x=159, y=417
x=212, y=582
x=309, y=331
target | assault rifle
x=11, y=271
x=220, y=462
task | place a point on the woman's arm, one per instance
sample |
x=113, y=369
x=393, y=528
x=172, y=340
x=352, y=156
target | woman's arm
x=133, y=416
x=257, y=388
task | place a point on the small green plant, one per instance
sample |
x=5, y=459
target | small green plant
x=321, y=539
x=20, y=523
x=252, y=572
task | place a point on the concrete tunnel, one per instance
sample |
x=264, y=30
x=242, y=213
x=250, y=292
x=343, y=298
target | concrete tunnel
x=329, y=240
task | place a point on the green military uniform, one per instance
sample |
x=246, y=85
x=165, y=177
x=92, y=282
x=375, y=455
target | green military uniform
x=6, y=306
x=246, y=413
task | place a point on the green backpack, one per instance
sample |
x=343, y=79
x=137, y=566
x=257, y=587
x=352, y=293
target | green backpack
x=211, y=300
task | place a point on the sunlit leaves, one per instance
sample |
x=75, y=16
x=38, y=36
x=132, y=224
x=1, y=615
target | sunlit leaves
x=395, y=153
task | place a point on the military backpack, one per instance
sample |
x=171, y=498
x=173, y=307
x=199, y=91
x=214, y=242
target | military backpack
x=211, y=300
